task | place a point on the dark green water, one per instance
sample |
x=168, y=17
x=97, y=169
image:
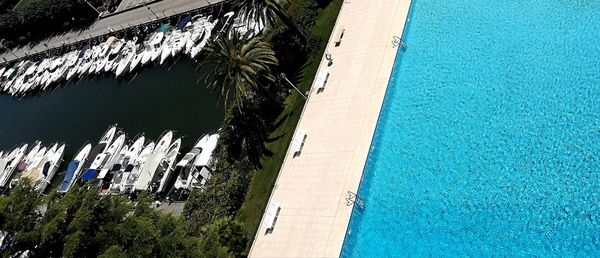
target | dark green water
x=157, y=99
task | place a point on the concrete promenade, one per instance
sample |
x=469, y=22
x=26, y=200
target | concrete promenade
x=340, y=122
x=131, y=18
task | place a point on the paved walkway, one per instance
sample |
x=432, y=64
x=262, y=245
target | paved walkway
x=127, y=4
x=340, y=121
x=175, y=208
x=131, y=18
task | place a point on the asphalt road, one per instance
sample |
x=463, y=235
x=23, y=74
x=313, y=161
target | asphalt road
x=130, y=18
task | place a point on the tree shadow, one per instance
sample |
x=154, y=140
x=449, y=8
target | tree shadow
x=276, y=138
x=284, y=118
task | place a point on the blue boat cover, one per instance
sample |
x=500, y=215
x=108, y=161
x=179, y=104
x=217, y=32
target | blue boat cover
x=164, y=27
x=68, y=175
x=46, y=168
x=116, y=167
x=89, y=174
x=183, y=22
x=129, y=168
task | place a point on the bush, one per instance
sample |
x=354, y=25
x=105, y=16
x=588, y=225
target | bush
x=291, y=51
x=304, y=13
x=223, y=238
x=222, y=196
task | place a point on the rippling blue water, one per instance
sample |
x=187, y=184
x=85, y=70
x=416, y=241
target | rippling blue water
x=489, y=139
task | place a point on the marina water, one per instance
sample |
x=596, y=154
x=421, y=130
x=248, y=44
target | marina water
x=154, y=100
x=488, y=143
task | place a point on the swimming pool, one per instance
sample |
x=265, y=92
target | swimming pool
x=488, y=143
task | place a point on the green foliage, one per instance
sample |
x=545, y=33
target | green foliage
x=22, y=3
x=238, y=67
x=263, y=179
x=18, y=211
x=6, y=5
x=222, y=196
x=84, y=224
x=42, y=18
x=304, y=14
x=114, y=251
x=248, y=131
x=223, y=238
x=245, y=131
x=266, y=11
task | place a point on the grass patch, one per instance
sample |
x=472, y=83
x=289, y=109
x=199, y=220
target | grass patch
x=22, y=4
x=263, y=180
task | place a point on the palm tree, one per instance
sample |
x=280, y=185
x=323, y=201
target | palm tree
x=246, y=133
x=238, y=67
x=266, y=11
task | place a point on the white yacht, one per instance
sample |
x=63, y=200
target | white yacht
x=167, y=46
x=36, y=158
x=113, y=55
x=50, y=168
x=105, y=160
x=74, y=168
x=124, y=60
x=80, y=58
x=56, y=62
x=137, y=58
x=179, y=42
x=112, y=155
x=11, y=165
x=153, y=48
x=101, y=58
x=133, y=170
x=100, y=148
x=152, y=162
x=207, y=27
x=6, y=159
x=197, y=29
x=165, y=168
x=88, y=59
x=193, y=168
x=29, y=158
x=119, y=169
x=34, y=171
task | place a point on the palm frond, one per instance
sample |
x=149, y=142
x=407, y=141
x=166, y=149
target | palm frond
x=238, y=67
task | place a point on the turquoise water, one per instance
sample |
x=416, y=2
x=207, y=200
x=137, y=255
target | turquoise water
x=488, y=143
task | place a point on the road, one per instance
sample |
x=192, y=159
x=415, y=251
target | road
x=131, y=18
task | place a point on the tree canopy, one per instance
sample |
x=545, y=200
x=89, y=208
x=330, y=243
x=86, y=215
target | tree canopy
x=266, y=12
x=42, y=18
x=85, y=224
x=238, y=67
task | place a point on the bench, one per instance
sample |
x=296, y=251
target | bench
x=271, y=216
x=339, y=35
x=298, y=142
x=321, y=79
